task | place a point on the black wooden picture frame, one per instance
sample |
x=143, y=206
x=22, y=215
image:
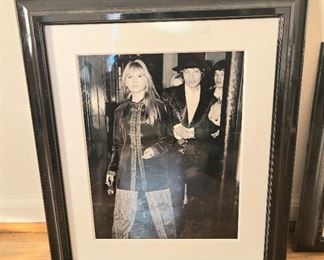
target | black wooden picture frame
x=309, y=229
x=34, y=15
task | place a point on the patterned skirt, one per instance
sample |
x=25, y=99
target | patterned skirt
x=143, y=214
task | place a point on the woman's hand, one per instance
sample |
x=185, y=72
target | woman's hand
x=149, y=153
x=110, y=177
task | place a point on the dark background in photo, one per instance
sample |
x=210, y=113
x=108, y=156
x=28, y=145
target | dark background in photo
x=100, y=78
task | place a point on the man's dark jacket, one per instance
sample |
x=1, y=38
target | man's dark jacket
x=175, y=98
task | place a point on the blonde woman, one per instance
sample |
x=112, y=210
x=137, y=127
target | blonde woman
x=142, y=137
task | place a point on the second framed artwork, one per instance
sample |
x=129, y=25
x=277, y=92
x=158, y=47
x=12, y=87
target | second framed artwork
x=309, y=234
x=167, y=125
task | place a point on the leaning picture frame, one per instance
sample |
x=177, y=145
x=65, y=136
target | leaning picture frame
x=309, y=235
x=73, y=49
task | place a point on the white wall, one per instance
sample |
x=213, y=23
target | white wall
x=20, y=193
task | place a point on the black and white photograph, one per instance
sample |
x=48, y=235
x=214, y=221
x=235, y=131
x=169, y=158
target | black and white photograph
x=162, y=134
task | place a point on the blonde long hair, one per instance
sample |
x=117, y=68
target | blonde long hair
x=151, y=97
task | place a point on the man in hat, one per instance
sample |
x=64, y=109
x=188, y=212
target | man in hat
x=189, y=103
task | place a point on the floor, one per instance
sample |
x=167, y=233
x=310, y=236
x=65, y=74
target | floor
x=19, y=241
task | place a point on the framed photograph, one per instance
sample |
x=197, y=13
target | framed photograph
x=164, y=130
x=309, y=234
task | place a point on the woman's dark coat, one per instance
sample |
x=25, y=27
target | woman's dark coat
x=158, y=136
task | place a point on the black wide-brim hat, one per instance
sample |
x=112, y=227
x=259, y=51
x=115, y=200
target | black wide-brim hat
x=191, y=60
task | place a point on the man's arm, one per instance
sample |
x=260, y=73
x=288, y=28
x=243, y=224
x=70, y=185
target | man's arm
x=205, y=127
x=168, y=97
x=179, y=131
